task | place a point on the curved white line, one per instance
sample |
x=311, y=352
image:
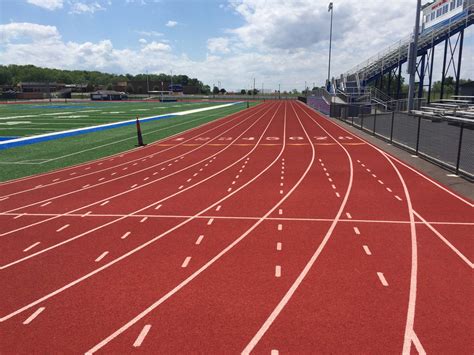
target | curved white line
x=286, y=298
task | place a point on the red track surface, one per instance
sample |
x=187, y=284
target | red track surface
x=269, y=230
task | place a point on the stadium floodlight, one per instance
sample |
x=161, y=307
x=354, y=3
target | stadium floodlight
x=331, y=10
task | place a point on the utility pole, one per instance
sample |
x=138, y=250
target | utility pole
x=412, y=55
x=330, y=9
x=253, y=88
x=279, y=92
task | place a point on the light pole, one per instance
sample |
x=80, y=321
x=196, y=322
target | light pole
x=412, y=55
x=147, y=84
x=330, y=9
x=279, y=92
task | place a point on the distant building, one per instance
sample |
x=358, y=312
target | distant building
x=142, y=87
x=43, y=87
x=467, y=89
x=107, y=95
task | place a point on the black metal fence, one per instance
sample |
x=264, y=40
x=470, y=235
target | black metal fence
x=449, y=144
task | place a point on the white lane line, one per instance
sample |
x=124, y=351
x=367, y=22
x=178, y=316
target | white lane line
x=417, y=343
x=374, y=176
x=322, y=164
x=86, y=214
x=389, y=189
x=134, y=185
x=280, y=211
x=186, y=261
x=398, y=198
x=229, y=189
x=382, y=279
x=356, y=231
x=87, y=168
x=201, y=169
x=320, y=160
x=210, y=221
x=281, y=192
x=327, y=174
x=87, y=185
x=274, y=352
x=325, y=169
x=125, y=235
x=163, y=169
x=363, y=165
x=101, y=179
x=240, y=170
x=104, y=203
x=34, y=315
x=62, y=228
x=157, y=207
x=333, y=186
x=155, y=173
x=195, y=174
x=101, y=256
x=368, y=170
x=367, y=250
x=56, y=180
x=337, y=194
x=72, y=174
x=277, y=271
x=134, y=164
x=45, y=204
x=358, y=161
x=19, y=216
x=125, y=168
x=189, y=180
x=281, y=184
x=237, y=176
x=348, y=215
x=330, y=180
x=233, y=182
x=280, y=227
x=141, y=336
x=115, y=173
x=218, y=208
x=206, y=164
x=380, y=182
x=31, y=246
x=143, y=219
x=282, y=178
x=181, y=187
x=199, y=240
x=145, y=179
x=279, y=246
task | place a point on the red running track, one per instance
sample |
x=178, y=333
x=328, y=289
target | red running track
x=270, y=230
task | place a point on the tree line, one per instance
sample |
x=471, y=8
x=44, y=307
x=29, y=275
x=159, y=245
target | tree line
x=13, y=74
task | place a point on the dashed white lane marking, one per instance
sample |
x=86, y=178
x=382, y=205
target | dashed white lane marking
x=199, y=240
x=186, y=261
x=330, y=180
x=389, y=189
x=45, y=204
x=325, y=169
x=104, y=203
x=237, y=176
x=145, y=179
x=125, y=168
x=367, y=250
x=101, y=256
x=189, y=180
x=281, y=184
x=280, y=227
x=201, y=169
x=240, y=170
x=179, y=188
x=322, y=164
x=229, y=189
x=206, y=164
x=277, y=271
x=19, y=216
x=281, y=192
x=333, y=186
x=86, y=214
x=195, y=174
x=87, y=185
x=363, y=165
x=143, y=219
x=113, y=174
x=358, y=161
x=380, y=182
x=274, y=352
x=162, y=169
x=282, y=178
x=320, y=160
x=72, y=174
x=398, y=198
x=38, y=186
x=141, y=336
x=210, y=221
x=337, y=194
x=170, y=164
x=87, y=168
x=125, y=235
x=348, y=215
x=155, y=173
x=356, y=231
x=382, y=279
x=218, y=208
x=135, y=164
x=100, y=164
x=280, y=211
x=101, y=179
x=368, y=170
x=34, y=315
x=374, y=176
x=157, y=207
x=62, y=228
x=279, y=246
x=176, y=160
x=31, y=247
x=327, y=174
x=56, y=180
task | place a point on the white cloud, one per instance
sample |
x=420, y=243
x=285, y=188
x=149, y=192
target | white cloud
x=171, y=23
x=142, y=41
x=150, y=33
x=30, y=32
x=218, y=45
x=84, y=8
x=47, y=4
x=156, y=47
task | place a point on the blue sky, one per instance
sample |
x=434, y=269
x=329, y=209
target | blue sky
x=232, y=41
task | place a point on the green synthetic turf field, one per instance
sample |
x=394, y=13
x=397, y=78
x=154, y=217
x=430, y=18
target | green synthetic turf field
x=46, y=156
x=22, y=120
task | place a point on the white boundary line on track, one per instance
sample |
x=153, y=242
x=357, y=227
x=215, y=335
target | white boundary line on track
x=151, y=241
x=408, y=337
x=218, y=256
x=440, y=236
x=103, y=159
x=129, y=190
x=154, y=203
x=289, y=219
x=294, y=286
x=150, y=154
x=462, y=199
